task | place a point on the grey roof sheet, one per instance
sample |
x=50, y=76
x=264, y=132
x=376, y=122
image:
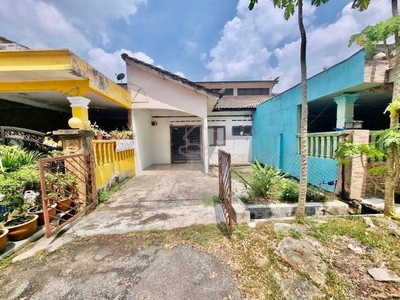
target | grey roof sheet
x=170, y=75
x=240, y=102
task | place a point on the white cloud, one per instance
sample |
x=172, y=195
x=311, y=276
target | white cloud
x=179, y=73
x=99, y=13
x=249, y=41
x=105, y=40
x=190, y=46
x=36, y=24
x=73, y=24
x=111, y=63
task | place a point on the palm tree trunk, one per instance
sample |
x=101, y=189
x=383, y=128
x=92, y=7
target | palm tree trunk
x=393, y=151
x=304, y=115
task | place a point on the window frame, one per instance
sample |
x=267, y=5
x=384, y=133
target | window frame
x=253, y=91
x=244, y=126
x=215, y=136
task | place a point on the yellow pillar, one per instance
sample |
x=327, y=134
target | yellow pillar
x=80, y=106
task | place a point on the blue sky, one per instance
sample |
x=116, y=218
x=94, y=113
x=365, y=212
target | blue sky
x=197, y=39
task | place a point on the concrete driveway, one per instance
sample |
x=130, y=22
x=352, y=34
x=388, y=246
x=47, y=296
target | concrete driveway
x=156, y=199
x=111, y=265
x=162, y=197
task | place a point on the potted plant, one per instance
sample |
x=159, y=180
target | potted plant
x=98, y=132
x=37, y=209
x=63, y=190
x=3, y=237
x=20, y=226
x=125, y=134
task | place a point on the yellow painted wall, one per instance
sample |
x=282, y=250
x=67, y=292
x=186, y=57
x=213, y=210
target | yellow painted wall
x=110, y=164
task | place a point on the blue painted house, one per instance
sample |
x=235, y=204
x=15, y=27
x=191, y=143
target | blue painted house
x=348, y=95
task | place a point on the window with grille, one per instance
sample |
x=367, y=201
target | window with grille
x=242, y=130
x=216, y=135
x=254, y=91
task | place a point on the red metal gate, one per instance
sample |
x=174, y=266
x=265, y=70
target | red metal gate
x=68, y=189
x=225, y=189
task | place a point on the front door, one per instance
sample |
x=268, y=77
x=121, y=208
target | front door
x=186, y=144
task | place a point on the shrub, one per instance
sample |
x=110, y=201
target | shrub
x=28, y=176
x=13, y=158
x=264, y=181
x=290, y=193
x=315, y=195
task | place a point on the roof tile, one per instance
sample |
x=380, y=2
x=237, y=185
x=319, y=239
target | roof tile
x=240, y=102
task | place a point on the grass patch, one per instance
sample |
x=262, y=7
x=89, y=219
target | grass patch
x=295, y=234
x=105, y=194
x=335, y=285
x=214, y=200
x=383, y=245
x=200, y=235
x=246, y=172
x=259, y=270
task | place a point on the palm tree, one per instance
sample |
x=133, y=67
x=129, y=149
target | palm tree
x=301, y=210
x=288, y=7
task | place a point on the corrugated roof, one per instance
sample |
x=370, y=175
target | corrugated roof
x=240, y=102
x=276, y=80
x=170, y=75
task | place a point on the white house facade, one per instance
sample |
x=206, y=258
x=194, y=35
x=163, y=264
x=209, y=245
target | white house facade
x=230, y=124
x=176, y=120
x=169, y=116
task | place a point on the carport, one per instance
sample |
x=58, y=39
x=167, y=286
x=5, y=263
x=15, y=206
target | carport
x=170, y=116
x=38, y=83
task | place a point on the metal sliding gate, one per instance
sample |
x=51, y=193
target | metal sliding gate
x=225, y=187
x=68, y=189
x=186, y=144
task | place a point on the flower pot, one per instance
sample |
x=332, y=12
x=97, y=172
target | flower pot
x=22, y=231
x=52, y=213
x=99, y=136
x=64, y=205
x=3, y=238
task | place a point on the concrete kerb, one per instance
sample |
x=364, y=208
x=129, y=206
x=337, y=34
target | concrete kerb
x=240, y=212
x=245, y=213
x=256, y=221
x=13, y=247
x=283, y=210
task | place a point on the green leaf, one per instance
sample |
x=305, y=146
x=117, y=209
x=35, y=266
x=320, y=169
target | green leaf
x=360, y=4
x=372, y=34
x=252, y=3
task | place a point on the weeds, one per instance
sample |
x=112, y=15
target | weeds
x=105, y=195
x=295, y=234
x=211, y=201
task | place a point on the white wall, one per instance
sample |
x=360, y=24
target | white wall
x=153, y=143
x=144, y=139
x=156, y=91
x=162, y=142
x=238, y=146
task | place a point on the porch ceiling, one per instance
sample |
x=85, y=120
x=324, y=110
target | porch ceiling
x=369, y=94
x=369, y=108
x=45, y=78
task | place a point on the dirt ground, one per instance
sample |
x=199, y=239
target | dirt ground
x=201, y=262
x=119, y=267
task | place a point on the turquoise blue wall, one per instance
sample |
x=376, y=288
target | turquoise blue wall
x=275, y=121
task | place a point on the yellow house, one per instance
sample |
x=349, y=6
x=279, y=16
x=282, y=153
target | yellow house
x=45, y=88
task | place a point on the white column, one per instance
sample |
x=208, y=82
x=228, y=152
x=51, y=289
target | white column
x=138, y=158
x=80, y=107
x=205, y=144
x=345, y=108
